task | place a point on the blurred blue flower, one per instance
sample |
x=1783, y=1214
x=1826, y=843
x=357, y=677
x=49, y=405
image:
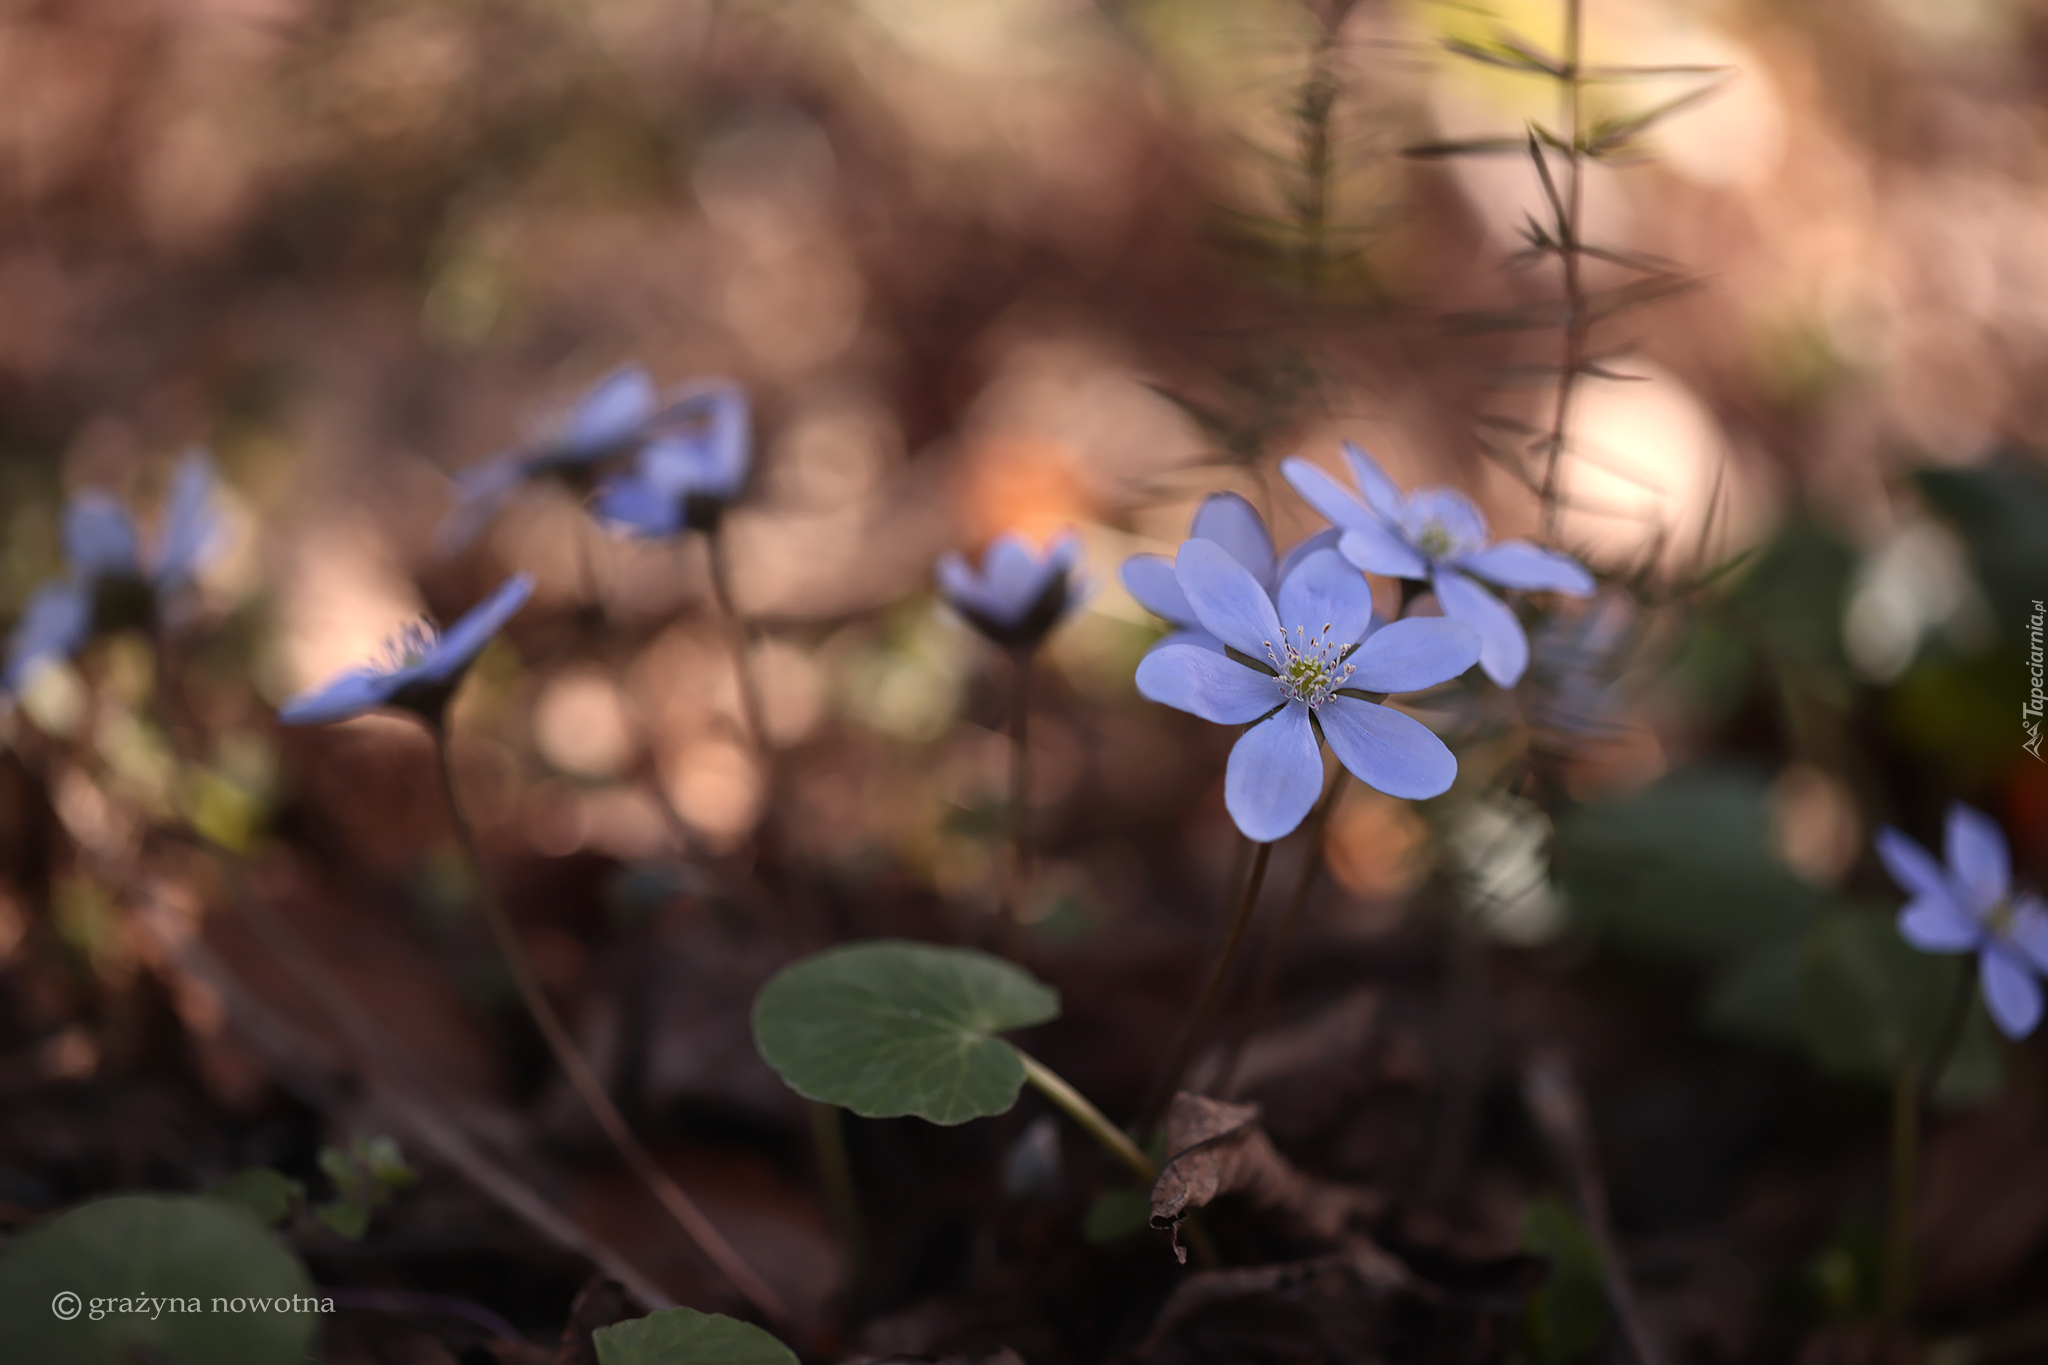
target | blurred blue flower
x=611, y=419
x=1969, y=907
x=420, y=670
x=1235, y=524
x=105, y=584
x=1436, y=535
x=1018, y=594
x=1310, y=666
x=694, y=464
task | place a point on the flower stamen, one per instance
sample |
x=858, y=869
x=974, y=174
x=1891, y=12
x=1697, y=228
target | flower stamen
x=1311, y=666
x=411, y=645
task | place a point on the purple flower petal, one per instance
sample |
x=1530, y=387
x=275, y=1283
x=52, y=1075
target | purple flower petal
x=1380, y=493
x=1934, y=925
x=1913, y=867
x=1326, y=495
x=610, y=412
x=1210, y=685
x=957, y=580
x=352, y=694
x=1231, y=522
x=631, y=503
x=1977, y=857
x=99, y=536
x=1274, y=775
x=1018, y=593
x=1380, y=549
x=1012, y=576
x=1419, y=652
x=721, y=448
x=1503, y=647
x=1324, y=590
x=1326, y=539
x=1531, y=568
x=55, y=624
x=1196, y=638
x=1227, y=600
x=2011, y=992
x=191, y=524
x=1149, y=579
x=2028, y=929
x=1386, y=750
x=464, y=640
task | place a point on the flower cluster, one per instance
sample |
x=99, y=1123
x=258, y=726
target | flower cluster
x=1291, y=647
x=687, y=458
x=1306, y=664
x=1436, y=536
x=690, y=469
x=108, y=583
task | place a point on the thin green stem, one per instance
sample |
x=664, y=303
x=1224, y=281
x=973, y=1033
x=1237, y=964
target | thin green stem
x=1283, y=933
x=1226, y=958
x=1898, y=1241
x=585, y=1081
x=1913, y=1088
x=1017, y=876
x=1076, y=1107
x=740, y=641
x=1945, y=1042
x=835, y=1173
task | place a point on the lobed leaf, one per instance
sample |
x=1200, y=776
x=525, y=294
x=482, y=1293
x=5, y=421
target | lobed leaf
x=684, y=1336
x=887, y=1028
x=136, y=1247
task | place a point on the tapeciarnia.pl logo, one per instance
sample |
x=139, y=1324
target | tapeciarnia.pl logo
x=2030, y=710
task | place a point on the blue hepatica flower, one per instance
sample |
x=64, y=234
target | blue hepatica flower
x=1436, y=535
x=1233, y=523
x=107, y=584
x=1311, y=664
x=1969, y=907
x=421, y=668
x=1018, y=594
x=610, y=420
x=692, y=467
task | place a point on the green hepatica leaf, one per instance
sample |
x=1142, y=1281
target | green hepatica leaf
x=1867, y=1000
x=183, y=1253
x=1685, y=869
x=888, y=1028
x=683, y=1336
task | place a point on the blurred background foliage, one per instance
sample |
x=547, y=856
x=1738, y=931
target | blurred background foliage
x=1015, y=263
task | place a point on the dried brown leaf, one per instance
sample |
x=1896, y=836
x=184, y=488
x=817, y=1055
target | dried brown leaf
x=1216, y=1149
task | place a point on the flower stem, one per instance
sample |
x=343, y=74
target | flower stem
x=1010, y=931
x=739, y=640
x=835, y=1173
x=1226, y=957
x=1951, y=1034
x=1898, y=1240
x=1912, y=1090
x=587, y=1086
x=1076, y=1107
x=1283, y=933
